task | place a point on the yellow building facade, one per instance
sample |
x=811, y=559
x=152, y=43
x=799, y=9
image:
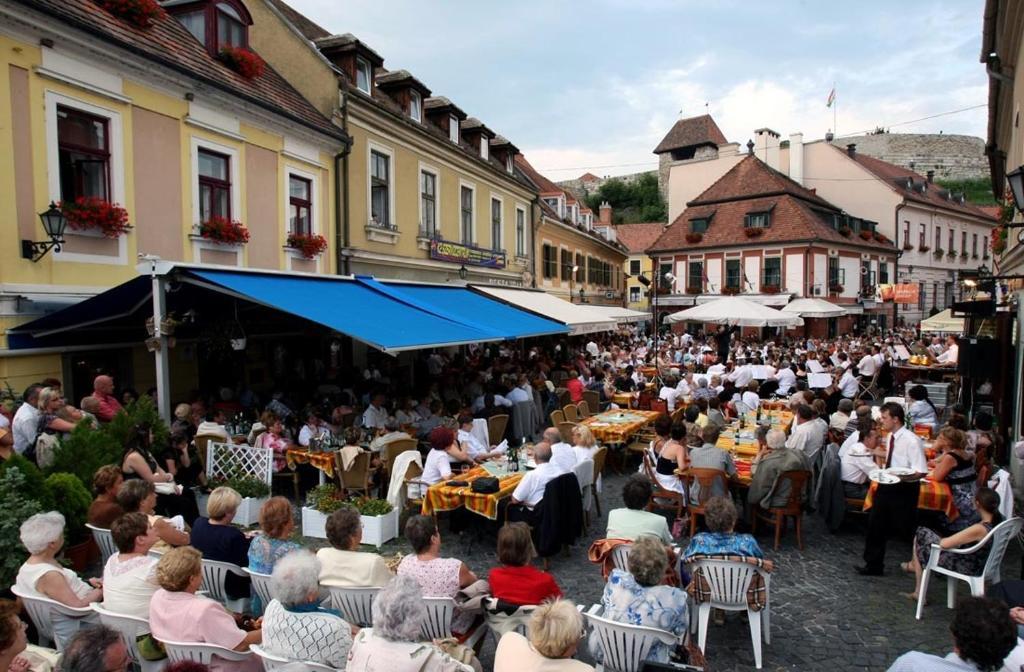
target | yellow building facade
x=637, y=238
x=149, y=120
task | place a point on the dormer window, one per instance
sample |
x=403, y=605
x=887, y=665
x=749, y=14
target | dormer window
x=485, y=147
x=757, y=220
x=363, y=75
x=699, y=225
x=220, y=24
x=230, y=29
x=453, y=128
x=415, y=106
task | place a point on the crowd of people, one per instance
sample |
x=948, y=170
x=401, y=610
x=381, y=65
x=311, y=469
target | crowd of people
x=705, y=382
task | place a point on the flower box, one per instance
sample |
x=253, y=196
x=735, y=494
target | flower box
x=246, y=63
x=694, y=237
x=835, y=289
x=314, y=523
x=907, y=247
x=939, y=252
x=694, y=290
x=223, y=230
x=866, y=235
x=845, y=231
x=923, y=248
x=378, y=530
x=730, y=291
x=951, y=254
x=89, y=213
x=248, y=511
x=881, y=238
x=753, y=231
x=139, y=13
x=309, y=245
x=770, y=289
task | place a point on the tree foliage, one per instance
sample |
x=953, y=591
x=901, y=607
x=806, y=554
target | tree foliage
x=16, y=509
x=636, y=201
x=978, y=191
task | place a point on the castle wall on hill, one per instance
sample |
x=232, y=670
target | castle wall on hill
x=952, y=157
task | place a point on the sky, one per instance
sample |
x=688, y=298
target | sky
x=594, y=86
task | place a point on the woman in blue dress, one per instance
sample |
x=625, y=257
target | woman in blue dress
x=277, y=523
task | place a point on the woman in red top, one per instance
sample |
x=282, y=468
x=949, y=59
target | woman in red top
x=517, y=581
x=575, y=387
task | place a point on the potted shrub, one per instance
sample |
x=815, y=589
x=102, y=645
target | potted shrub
x=379, y=519
x=72, y=499
x=89, y=213
x=694, y=237
x=321, y=502
x=17, y=508
x=139, y=13
x=308, y=244
x=753, y=231
x=223, y=230
x=254, y=494
x=246, y=63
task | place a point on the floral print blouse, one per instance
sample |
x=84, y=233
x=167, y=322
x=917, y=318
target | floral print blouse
x=663, y=607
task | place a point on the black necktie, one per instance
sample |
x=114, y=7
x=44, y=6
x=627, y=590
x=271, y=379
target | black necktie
x=892, y=446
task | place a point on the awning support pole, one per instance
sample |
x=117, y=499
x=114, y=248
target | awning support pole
x=163, y=380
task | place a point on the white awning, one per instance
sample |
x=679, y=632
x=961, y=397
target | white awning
x=735, y=310
x=622, y=315
x=579, y=319
x=777, y=300
x=814, y=308
x=943, y=322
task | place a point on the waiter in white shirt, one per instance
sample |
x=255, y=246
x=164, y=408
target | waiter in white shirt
x=895, y=505
x=951, y=355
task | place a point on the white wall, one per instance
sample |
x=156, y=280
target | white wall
x=852, y=284
x=820, y=275
x=795, y=273
x=714, y=273
x=752, y=266
x=688, y=179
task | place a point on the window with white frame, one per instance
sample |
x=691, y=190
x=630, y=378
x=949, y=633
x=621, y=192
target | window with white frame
x=83, y=154
x=300, y=205
x=453, y=128
x=485, y=147
x=363, y=75
x=415, y=106
x=466, y=214
x=634, y=294
x=428, y=203
x=496, y=224
x=520, y=232
x=380, y=188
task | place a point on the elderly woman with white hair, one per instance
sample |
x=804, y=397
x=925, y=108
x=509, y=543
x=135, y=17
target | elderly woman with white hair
x=395, y=642
x=43, y=576
x=295, y=626
x=555, y=630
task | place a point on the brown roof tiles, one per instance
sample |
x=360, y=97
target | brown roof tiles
x=690, y=132
x=639, y=237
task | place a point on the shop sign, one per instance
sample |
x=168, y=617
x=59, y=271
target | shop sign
x=456, y=253
x=902, y=293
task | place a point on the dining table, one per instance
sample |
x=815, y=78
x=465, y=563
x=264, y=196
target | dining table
x=618, y=425
x=445, y=497
x=933, y=496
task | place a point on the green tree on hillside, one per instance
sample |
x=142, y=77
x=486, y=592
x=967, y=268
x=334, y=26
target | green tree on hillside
x=977, y=191
x=637, y=201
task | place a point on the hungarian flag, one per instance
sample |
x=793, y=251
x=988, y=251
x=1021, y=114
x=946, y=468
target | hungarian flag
x=831, y=97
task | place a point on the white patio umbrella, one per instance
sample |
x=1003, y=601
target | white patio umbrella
x=738, y=311
x=813, y=308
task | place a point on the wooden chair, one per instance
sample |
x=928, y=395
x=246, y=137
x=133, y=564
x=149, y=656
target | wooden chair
x=659, y=406
x=705, y=480
x=557, y=417
x=413, y=484
x=593, y=399
x=583, y=409
x=662, y=498
x=644, y=401
x=571, y=413
x=396, y=448
x=565, y=429
x=599, y=457
x=202, y=442
x=358, y=477
x=496, y=425
x=793, y=508
x=288, y=474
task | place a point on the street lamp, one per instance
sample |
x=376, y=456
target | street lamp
x=54, y=224
x=463, y=272
x=572, y=275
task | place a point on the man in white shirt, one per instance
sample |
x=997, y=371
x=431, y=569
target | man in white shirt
x=522, y=391
x=480, y=402
x=951, y=355
x=471, y=445
x=530, y=491
x=213, y=426
x=685, y=384
x=741, y=376
x=375, y=416
x=749, y=397
x=786, y=378
x=838, y=420
x=592, y=349
x=563, y=457
x=26, y=421
x=895, y=506
x=848, y=384
x=867, y=365
x=856, y=462
x=806, y=435
x=670, y=394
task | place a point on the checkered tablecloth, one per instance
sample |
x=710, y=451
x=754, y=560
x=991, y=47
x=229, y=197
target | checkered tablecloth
x=322, y=461
x=618, y=426
x=934, y=496
x=442, y=497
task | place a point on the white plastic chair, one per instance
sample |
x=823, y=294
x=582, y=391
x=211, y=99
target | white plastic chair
x=104, y=541
x=42, y=609
x=215, y=574
x=273, y=662
x=130, y=628
x=355, y=604
x=499, y=622
x=999, y=537
x=625, y=647
x=200, y=652
x=439, y=621
x=728, y=581
x=620, y=556
x=260, y=585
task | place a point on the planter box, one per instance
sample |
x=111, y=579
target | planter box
x=248, y=511
x=378, y=530
x=314, y=523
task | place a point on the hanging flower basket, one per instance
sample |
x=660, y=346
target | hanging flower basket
x=845, y=231
x=89, y=213
x=924, y=248
x=694, y=237
x=939, y=252
x=753, y=231
x=999, y=239
x=139, y=13
x=224, y=230
x=770, y=289
x=246, y=63
x=308, y=244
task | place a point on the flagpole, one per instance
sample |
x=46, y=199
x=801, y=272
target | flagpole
x=835, y=107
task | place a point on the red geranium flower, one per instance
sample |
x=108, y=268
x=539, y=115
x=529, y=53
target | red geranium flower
x=87, y=213
x=246, y=63
x=139, y=13
x=309, y=244
x=223, y=230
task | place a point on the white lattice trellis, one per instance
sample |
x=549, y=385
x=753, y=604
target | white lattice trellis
x=225, y=460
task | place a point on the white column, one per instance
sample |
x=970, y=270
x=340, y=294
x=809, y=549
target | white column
x=163, y=380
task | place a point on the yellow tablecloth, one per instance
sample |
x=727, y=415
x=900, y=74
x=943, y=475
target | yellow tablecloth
x=618, y=426
x=442, y=497
x=323, y=461
x=934, y=496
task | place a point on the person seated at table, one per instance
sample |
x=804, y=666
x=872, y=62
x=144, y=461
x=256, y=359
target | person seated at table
x=431, y=419
x=720, y=516
x=139, y=495
x=637, y=597
x=214, y=425
x=406, y=413
x=472, y=446
x=177, y=614
x=749, y=398
x=391, y=432
x=772, y=460
x=983, y=638
x=634, y=520
x=710, y=456
x=955, y=467
x=562, y=454
x=342, y=564
x=575, y=387
x=715, y=415
x=986, y=503
x=437, y=576
x=104, y=510
x=314, y=428
x=181, y=461
x=838, y=420
x=672, y=456
x=670, y=394
x=295, y=626
x=555, y=630
x=274, y=438
x=625, y=382
x=129, y=578
x=42, y=575
x=922, y=411
x=138, y=462
x=856, y=461
x=217, y=539
x=516, y=581
x=806, y=435
x=951, y=355
x=584, y=443
x=530, y=490
x=376, y=414
x=444, y=451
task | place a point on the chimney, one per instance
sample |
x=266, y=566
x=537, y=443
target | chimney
x=931, y=175
x=851, y=150
x=796, y=157
x=606, y=214
x=767, y=146
x=750, y=146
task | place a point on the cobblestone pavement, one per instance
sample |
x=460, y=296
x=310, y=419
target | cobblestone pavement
x=824, y=616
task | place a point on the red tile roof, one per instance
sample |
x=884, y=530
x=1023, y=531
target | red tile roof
x=589, y=177
x=749, y=187
x=168, y=43
x=545, y=186
x=690, y=132
x=305, y=25
x=895, y=177
x=639, y=237
x=992, y=211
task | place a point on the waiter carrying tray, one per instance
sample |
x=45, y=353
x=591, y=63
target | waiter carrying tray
x=895, y=505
